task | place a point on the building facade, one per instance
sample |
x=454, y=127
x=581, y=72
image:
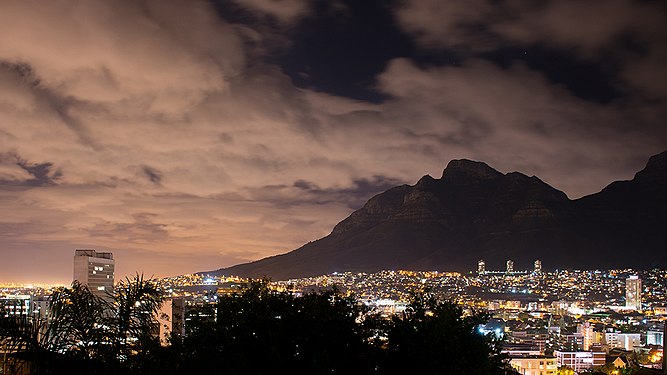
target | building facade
x=15, y=305
x=579, y=360
x=654, y=337
x=633, y=293
x=94, y=269
x=481, y=267
x=587, y=331
x=534, y=365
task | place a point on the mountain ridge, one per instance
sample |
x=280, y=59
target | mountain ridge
x=476, y=212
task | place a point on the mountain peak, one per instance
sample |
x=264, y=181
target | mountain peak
x=464, y=168
x=475, y=212
x=655, y=170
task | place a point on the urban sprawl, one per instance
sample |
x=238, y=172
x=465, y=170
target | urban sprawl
x=575, y=319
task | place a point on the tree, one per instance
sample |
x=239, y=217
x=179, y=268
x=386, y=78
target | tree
x=261, y=330
x=434, y=337
x=83, y=333
x=132, y=320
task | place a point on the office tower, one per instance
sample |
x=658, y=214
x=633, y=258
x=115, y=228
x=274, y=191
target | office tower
x=96, y=270
x=481, y=267
x=633, y=293
x=537, y=266
x=510, y=266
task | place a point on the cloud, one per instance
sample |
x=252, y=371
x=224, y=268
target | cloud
x=157, y=131
x=284, y=11
x=516, y=119
x=152, y=174
x=19, y=172
x=626, y=34
x=91, y=51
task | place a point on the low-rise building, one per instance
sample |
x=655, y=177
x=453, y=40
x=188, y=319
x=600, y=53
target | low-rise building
x=534, y=365
x=580, y=360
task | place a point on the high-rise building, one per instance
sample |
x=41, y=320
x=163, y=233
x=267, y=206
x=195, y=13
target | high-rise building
x=94, y=269
x=481, y=267
x=587, y=331
x=633, y=293
x=510, y=266
x=537, y=266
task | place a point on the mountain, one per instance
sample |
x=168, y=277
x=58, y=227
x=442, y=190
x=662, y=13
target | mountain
x=475, y=212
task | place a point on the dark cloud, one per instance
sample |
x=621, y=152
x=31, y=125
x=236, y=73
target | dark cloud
x=173, y=128
x=37, y=174
x=624, y=45
x=143, y=229
x=153, y=175
x=307, y=192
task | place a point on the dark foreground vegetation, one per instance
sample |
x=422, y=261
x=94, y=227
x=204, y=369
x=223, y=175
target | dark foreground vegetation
x=255, y=331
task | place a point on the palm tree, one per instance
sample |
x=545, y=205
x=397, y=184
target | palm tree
x=70, y=333
x=135, y=303
x=84, y=333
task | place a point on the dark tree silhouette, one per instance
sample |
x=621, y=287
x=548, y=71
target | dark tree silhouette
x=260, y=330
x=85, y=334
x=254, y=331
x=434, y=337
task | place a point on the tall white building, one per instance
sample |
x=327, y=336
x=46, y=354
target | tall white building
x=537, y=266
x=510, y=266
x=94, y=269
x=633, y=293
x=587, y=331
x=481, y=267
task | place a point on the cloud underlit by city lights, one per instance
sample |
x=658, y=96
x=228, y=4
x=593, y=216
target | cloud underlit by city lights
x=189, y=135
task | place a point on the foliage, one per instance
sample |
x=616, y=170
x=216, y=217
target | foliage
x=255, y=331
x=268, y=331
x=436, y=338
x=83, y=333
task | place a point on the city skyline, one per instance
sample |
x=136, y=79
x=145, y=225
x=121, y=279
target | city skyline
x=192, y=135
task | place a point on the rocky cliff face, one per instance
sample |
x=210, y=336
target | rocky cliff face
x=475, y=212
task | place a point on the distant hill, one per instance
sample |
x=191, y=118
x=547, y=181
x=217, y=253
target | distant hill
x=475, y=212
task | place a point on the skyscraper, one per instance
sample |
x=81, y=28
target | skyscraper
x=510, y=266
x=537, y=266
x=633, y=293
x=481, y=267
x=96, y=270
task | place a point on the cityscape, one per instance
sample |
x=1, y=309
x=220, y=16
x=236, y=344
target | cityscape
x=318, y=187
x=577, y=320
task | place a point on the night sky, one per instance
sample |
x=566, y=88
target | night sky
x=189, y=135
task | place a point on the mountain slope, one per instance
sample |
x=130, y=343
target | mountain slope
x=475, y=212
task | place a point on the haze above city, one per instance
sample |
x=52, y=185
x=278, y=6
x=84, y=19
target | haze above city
x=189, y=135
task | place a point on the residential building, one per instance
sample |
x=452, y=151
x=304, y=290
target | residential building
x=15, y=305
x=579, y=360
x=534, y=365
x=633, y=293
x=588, y=333
x=628, y=341
x=654, y=337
